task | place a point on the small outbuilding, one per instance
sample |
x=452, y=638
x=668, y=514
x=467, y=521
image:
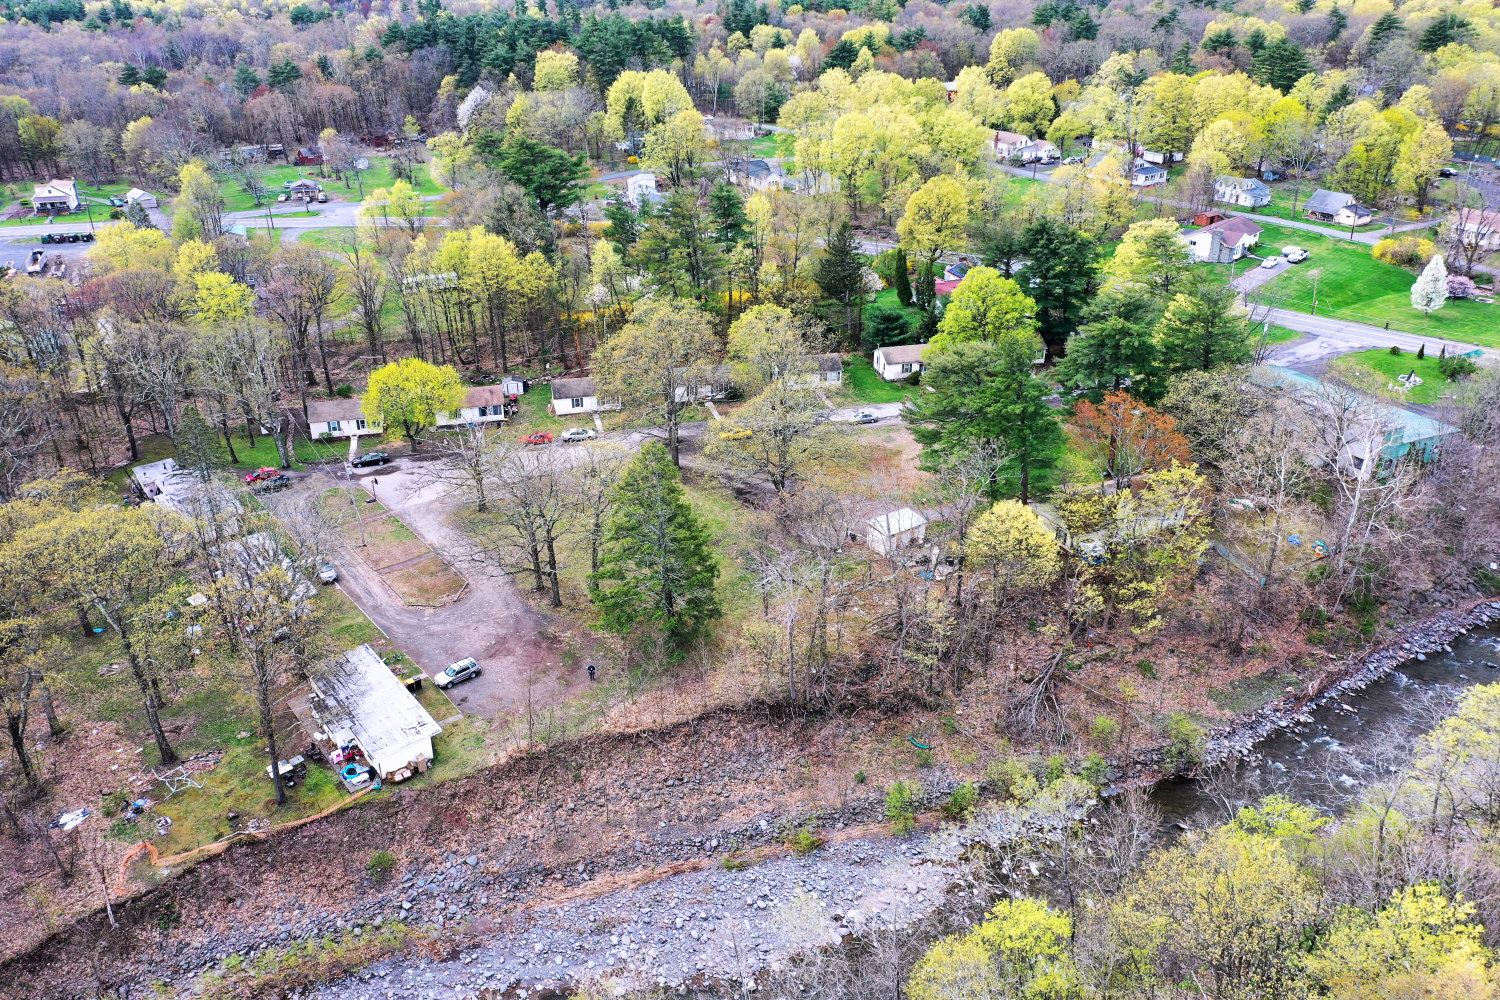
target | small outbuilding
x=357, y=699
x=900, y=529
x=145, y=199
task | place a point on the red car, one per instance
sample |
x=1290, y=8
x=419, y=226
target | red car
x=264, y=472
x=540, y=437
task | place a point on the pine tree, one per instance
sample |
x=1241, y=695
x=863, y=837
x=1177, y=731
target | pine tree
x=885, y=327
x=197, y=448
x=1382, y=30
x=136, y=215
x=1421, y=352
x=842, y=55
x=1201, y=329
x=903, y=278
x=1337, y=22
x=728, y=211
x=1182, y=61
x=1431, y=289
x=1281, y=64
x=841, y=275
x=658, y=569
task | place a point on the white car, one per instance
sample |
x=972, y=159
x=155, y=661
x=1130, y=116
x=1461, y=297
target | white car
x=1294, y=255
x=463, y=670
x=1272, y=261
x=579, y=434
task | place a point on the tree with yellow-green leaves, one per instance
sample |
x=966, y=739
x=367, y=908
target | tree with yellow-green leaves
x=555, y=70
x=1152, y=257
x=1011, y=52
x=1029, y=107
x=1022, y=949
x=1010, y=543
x=219, y=298
x=123, y=245
x=936, y=216
x=400, y=204
x=1419, y=158
x=768, y=342
x=198, y=212
x=987, y=306
x=677, y=145
x=410, y=394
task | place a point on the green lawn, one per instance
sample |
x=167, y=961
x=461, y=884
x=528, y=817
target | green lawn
x=776, y=145
x=156, y=447
x=1379, y=369
x=1354, y=286
x=862, y=385
x=1281, y=208
x=534, y=415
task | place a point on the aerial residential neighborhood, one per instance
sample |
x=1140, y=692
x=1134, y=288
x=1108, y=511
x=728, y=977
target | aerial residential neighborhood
x=651, y=499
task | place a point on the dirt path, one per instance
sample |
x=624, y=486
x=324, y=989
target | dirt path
x=491, y=621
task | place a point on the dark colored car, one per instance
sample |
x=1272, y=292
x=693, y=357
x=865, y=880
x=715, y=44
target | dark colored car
x=273, y=485
x=371, y=458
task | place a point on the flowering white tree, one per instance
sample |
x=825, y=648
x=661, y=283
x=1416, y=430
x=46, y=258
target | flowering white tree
x=1431, y=289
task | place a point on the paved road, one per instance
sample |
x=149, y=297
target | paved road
x=1333, y=337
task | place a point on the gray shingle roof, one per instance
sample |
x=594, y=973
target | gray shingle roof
x=572, y=388
x=1326, y=202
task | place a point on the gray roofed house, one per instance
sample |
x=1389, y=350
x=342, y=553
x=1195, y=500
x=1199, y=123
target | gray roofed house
x=758, y=175
x=330, y=418
x=1336, y=207
x=897, y=361
x=1246, y=192
x=575, y=395
x=829, y=368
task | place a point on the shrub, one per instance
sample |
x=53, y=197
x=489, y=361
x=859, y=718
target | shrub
x=803, y=842
x=1408, y=251
x=344, y=391
x=116, y=214
x=915, y=378
x=885, y=266
x=1395, y=351
x=1456, y=367
x=1146, y=669
x=860, y=777
x=733, y=863
x=381, y=864
x=901, y=806
x=1010, y=779
x=1461, y=286
x=1104, y=729
x=961, y=802
x=1185, y=746
x=1421, y=351
x=1095, y=770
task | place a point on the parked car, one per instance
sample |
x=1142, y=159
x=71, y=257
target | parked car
x=865, y=417
x=1072, y=161
x=464, y=670
x=579, y=434
x=371, y=458
x=327, y=573
x=1272, y=261
x=264, y=472
x=273, y=485
x=46, y=238
x=735, y=434
x=1447, y=172
x=117, y=203
x=281, y=197
x=1294, y=255
x=538, y=437
x=322, y=197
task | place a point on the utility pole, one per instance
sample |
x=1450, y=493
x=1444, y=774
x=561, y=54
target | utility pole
x=358, y=517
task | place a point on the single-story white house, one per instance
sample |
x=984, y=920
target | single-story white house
x=1148, y=175
x=484, y=404
x=1471, y=227
x=758, y=175
x=337, y=418
x=1246, y=192
x=640, y=191
x=356, y=699
x=1224, y=241
x=574, y=395
x=1336, y=207
x=55, y=197
x=895, y=363
x=1008, y=144
x=145, y=199
x=900, y=529
x=828, y=369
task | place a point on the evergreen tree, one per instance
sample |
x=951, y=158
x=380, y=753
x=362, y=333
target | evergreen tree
x=1182, y=60
x=976, y=16
x=1448, y=29
x=1203, y=328
x=1421, y=351
x=1116, y=343
x=728, y=211
x=1384, y=29
x=885, y=327
x=136, y=215
x=624, y=227
x=246, y=80
x=841, y=275
x=984, y=395
x=1281, y=64
x=197, y=448
x=842, y=55
x=1255, y=41
x=926, y=289
x=903, y=278
x=1337, y=21
x=129, y=76
x=658, y=567
x=1060, y=275
x=546, y=173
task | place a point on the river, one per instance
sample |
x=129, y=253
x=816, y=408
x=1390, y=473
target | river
x=1349, y=743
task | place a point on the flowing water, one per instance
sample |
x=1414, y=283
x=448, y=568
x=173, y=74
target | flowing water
x=1351, y=742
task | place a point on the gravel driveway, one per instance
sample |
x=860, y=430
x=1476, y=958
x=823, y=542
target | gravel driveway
x=491, y=621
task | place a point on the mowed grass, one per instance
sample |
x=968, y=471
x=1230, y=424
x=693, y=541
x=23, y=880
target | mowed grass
x=335, y=238
x=1354, y=286
x=863, y=385
x=1379, y=370
x=1281, y=208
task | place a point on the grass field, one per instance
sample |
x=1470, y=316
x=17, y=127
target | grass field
x=863, y=385
x=778, y=145
x=275, y=176
x=155, y=447
x=1352, y=285
x=1379, y=369
x=1281, y=208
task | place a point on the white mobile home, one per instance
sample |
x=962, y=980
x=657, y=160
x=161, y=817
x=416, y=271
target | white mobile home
x=358, y=700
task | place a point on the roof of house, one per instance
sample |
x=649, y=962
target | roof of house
x=946, y=286
x=1247, y=184
x=56, y=187
x=135, y=193
x=1403, y=425
x=1148, y=170
x=1481, y=221
x=1326, y=202
x=308, y=152
x=1010, y=138
x=364, y=696
x=1234, y=228
x=320, y=411
x=901, y=354
x=828, y=363
x=897, y=521
x=486, y=395
x=302, y=184
x=759, y=168
x=572, y=388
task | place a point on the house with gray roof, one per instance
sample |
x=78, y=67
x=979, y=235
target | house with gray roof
x=1247, y=192
x=1336, y=207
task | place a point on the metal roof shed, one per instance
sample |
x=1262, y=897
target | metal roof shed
x=357, y=692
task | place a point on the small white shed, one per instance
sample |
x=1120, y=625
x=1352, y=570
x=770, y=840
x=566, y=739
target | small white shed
x=359, y=699
x=145, y=199
x=889, y=533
